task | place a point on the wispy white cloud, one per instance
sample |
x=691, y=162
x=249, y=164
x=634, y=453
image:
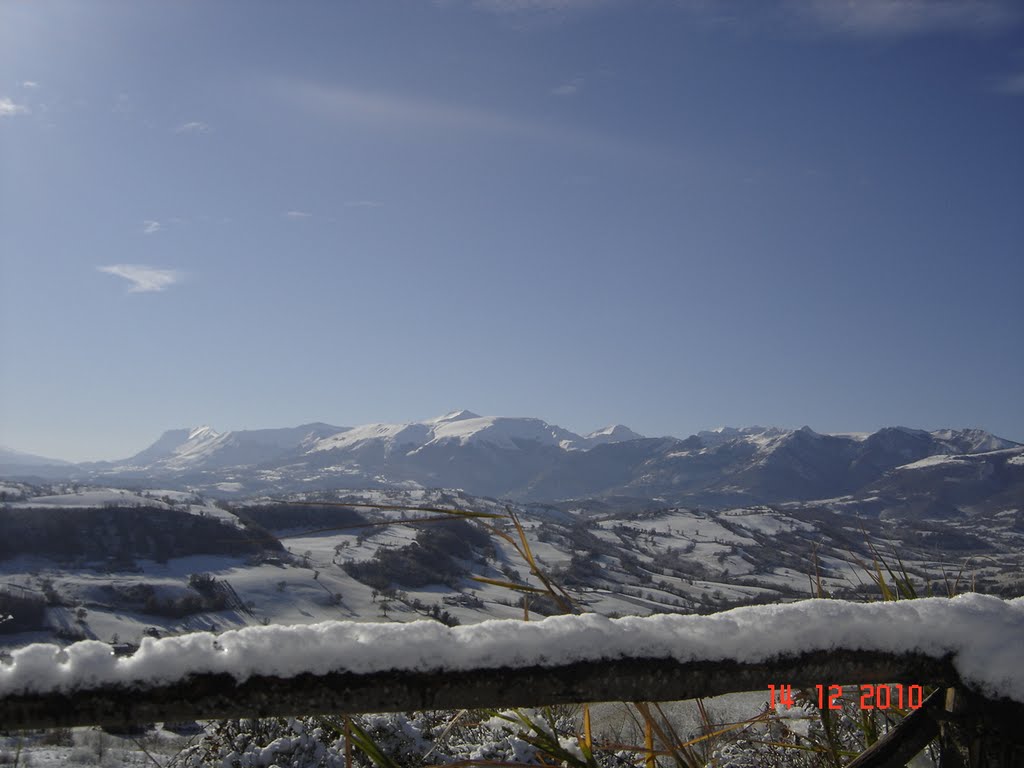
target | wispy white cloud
x=568, y=88
x=1013, y=84
x=149, y=226
x=362, y=204
x=419, y=115
x=29, y=84
x=347, y=103
x=297, y=215
x=894, y=18
x=195, y=126
x=8, y=108
x=143, y=278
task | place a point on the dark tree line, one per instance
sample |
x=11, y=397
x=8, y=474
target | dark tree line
x=123, y=534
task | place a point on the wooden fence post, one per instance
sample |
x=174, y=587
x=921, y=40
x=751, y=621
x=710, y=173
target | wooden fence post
x=981, y=733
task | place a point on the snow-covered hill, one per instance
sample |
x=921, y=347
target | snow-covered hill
x=336, y=562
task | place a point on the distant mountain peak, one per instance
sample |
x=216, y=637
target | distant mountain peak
x=614, y=433
x=615, y=429
x=460, y=415
x=203, y=446
x=973, y=440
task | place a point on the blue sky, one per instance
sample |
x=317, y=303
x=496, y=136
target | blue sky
x=674, y=215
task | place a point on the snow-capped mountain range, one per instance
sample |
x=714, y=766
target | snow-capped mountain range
x=530, y=459
x=203, y=447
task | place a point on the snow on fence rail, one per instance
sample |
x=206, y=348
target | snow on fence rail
x=972, y=640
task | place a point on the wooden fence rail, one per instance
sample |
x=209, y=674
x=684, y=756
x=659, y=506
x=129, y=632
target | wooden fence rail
x=972, y=727
x=220, y=696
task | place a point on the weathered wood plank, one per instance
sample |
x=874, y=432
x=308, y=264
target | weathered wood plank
x=980, y=733
x=903, y=742
x=220, y=696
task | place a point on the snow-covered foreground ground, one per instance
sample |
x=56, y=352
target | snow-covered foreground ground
x=86, y=747
x=68, y=748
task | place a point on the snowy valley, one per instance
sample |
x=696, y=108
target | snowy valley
x=117, y=565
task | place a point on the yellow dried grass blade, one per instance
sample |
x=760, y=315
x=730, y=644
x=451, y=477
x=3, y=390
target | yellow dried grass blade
x=588, y=739
x=651, y=761
x=651, y=729
x=887, y=594
x=526, y=552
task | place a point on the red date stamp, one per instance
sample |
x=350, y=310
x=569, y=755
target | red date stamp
x=881, y=696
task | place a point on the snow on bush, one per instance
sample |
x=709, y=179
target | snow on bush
x=409, y=740
x=984, y=634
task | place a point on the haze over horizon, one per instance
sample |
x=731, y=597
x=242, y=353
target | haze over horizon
x=673, y=216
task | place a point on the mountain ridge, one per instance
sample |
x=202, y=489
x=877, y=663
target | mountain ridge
x=530, y=459
x=12, y=457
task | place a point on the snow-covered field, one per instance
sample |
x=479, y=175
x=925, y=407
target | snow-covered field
x=674, y=560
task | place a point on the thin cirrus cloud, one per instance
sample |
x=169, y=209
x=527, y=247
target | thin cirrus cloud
x=143, y=278
x=893, y=18
x=568, y=88
x=408, y=114
x=150, y=226
x=29, y=84
x=298, y=215
x=351, y=104
x=9, y=109
x=195, y=126
x=1014, y=84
